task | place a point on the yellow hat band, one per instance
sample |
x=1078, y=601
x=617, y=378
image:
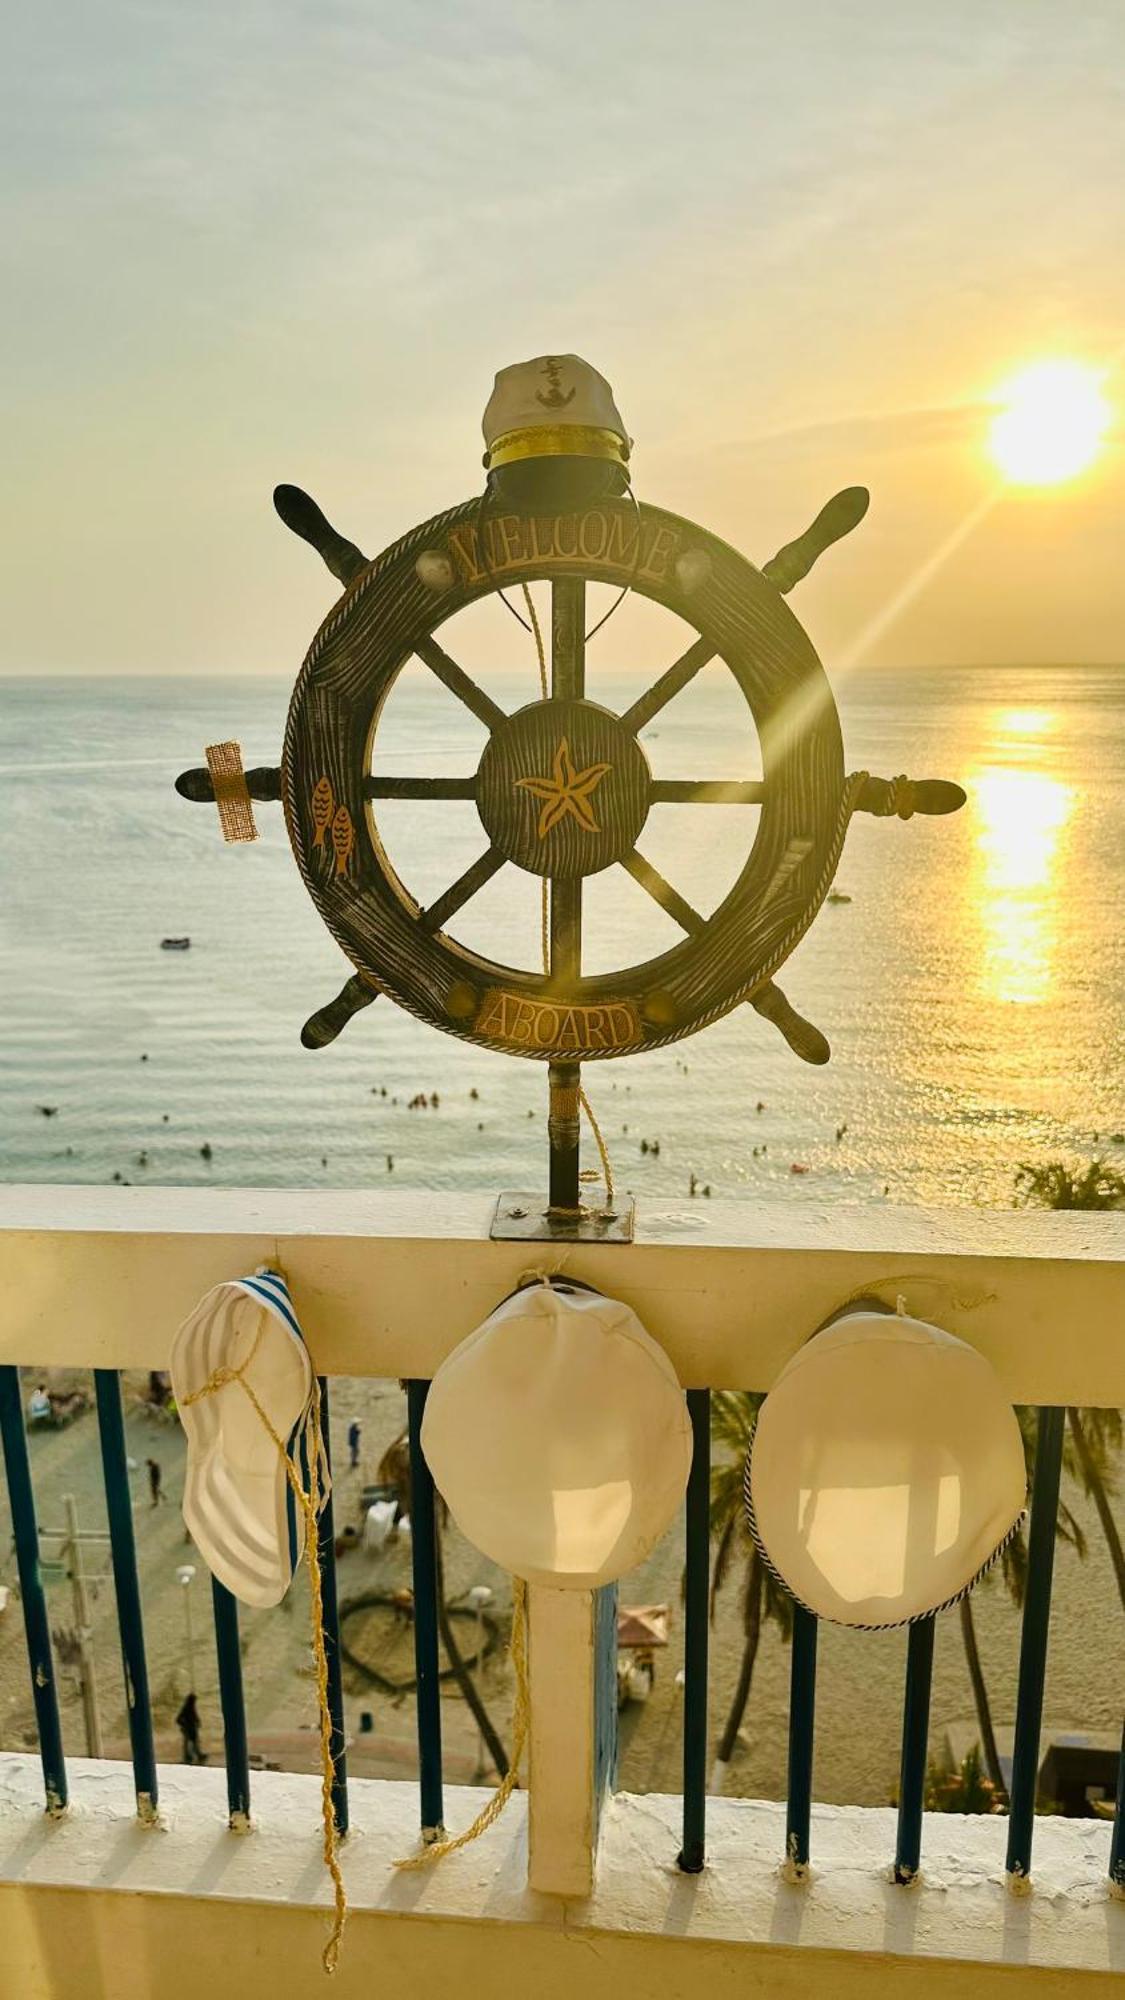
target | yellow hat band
x=557, y=441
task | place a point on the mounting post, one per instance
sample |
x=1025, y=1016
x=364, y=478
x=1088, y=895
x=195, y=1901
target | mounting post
x=568, y=682
x=563, y=1131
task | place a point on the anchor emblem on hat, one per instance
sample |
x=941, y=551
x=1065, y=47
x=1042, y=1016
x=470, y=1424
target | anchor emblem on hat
x=554, y=398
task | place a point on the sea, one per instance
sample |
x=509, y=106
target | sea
x=971, y=978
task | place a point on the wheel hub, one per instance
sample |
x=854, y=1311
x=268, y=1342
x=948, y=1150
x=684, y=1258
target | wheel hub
x=563, y=788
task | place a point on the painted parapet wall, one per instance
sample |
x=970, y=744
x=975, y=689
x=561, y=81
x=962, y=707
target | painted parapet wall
x=95, y=1907
x=388, y=1284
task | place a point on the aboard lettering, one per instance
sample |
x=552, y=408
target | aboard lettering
x=524, y=1023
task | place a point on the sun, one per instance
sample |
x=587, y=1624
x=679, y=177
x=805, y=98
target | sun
x=1052, y=423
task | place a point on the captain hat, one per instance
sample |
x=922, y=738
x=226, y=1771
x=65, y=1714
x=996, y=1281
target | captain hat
x=556, y=405
x=886, y=1471
x=238, y=1502
x=559, y=1437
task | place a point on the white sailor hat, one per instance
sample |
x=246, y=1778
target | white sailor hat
x=238, y=1503
x=559, y=1437
x=554, y=406
x=886, y=1471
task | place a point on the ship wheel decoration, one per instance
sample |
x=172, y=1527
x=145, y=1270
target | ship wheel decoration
x=563, y=788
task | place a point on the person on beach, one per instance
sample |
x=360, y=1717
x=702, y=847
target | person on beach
x=355, y=1432
x=187, y=1722
x=155, y=1476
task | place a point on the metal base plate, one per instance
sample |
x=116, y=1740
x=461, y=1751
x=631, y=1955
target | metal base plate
x=527, y=1218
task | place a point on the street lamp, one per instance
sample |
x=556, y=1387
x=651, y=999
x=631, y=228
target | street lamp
x=185, y=1577
x=479, y=1596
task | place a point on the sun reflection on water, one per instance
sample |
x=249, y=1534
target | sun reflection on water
x=1025, y=722
x=1021, y=815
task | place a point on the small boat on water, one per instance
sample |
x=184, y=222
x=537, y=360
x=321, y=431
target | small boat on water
x=175, y=944
x=837, y=896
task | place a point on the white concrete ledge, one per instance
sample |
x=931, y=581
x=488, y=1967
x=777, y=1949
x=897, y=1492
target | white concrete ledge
x=387, y=1284
x=94, y=1906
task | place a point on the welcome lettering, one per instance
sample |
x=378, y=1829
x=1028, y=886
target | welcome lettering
x=512, y=542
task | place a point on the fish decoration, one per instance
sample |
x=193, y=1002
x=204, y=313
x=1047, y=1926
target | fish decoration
x=343, y=837
x=323, y=807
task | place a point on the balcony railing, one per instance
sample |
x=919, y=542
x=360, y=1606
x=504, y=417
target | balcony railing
x=386, y=1286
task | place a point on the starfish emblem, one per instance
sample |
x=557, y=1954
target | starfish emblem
x=566, y=793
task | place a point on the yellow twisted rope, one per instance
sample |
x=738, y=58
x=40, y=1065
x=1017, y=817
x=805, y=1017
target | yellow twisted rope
x=537, y=630
x=309, y=1504
x=545, y=929
x=900, y=797
x=521, y=1719
x=603, y=1150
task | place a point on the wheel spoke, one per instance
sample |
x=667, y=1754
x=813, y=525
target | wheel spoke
x=324, y=1026
x=669, y=684
x=459, y=683
x=568, y=638
x=843, y=513
x=707, y=791
x=881, y=796
x=805, y=1041
x=565, y=936
x=459, y=892
x=662, y=892
x=301, y=513
x=263, y=782
x=419, y=788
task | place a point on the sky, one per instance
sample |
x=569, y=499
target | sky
x=259, y=240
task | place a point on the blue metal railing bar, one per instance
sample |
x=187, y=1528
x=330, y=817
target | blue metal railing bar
x=126, y=1583
x=228, y=1653
x=424, y=1558
x=915, y=1740
x=696, y=1593
x=802, y=1720
x=326, y=1546
x=1117, y=1840
x=25, y=1534
x=1033, y=1638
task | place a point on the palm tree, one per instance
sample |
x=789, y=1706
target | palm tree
x=456, y=1660
x=961, y=1788
x=1055, y=1185
x=394, y=1471
x=980, y=1698
x=1096, y=1434
x=733, y=1415
x=1097, y=1438
x=1013, y=1570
